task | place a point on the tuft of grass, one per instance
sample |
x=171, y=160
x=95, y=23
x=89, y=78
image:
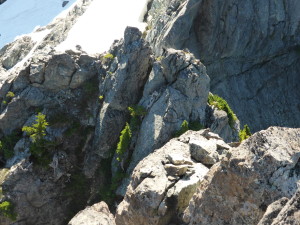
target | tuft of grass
x=244, y=133
x=221, y=104
x=108, y=56
x=7, y=209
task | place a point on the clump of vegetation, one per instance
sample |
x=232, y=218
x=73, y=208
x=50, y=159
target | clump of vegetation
x=159, y=58
x=124, y=142
x=7, y=145
x=7, y=209
x=185, y=126
x=108, y=56
x=39, y=147
x=244, y=133
x=221, y=104
x=136, y=112
x=8, y=97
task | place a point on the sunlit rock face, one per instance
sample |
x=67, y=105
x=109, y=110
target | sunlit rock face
x=250, y=49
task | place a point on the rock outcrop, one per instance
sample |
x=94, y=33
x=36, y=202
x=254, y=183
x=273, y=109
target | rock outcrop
x=97, y=214
x=163, y=183
x=262, y=169
x=250, y=49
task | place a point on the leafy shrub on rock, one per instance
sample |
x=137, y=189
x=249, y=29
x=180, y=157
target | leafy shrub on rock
x=221, y=104
x=39, y=145
x=7, y=209
x=244, y=133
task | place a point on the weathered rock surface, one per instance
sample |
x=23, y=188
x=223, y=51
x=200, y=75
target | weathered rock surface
x=163, y=183
x=250, y=49
x=14, y=52
x=272, y=211
x=261, y=170
x=176, y=90
x=121, y=87
x=97, y=214
x=290, y=214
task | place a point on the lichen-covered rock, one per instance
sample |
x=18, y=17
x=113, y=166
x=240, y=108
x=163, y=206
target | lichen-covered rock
x=261, y=170
x=163, y=183
x=97, y=214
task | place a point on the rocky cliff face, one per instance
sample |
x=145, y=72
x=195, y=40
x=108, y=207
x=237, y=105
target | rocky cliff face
x=118, y=120
x=250, y=49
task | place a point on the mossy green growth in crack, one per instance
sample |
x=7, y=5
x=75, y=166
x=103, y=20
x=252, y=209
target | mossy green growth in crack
x=244, y=133
x=7, y=209
x=221, y=104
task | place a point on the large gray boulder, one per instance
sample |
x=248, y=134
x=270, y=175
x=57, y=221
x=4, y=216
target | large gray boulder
x=176, y=90
x=163, y=183
x=250, y=49
x=97, y=214
x=261, y=170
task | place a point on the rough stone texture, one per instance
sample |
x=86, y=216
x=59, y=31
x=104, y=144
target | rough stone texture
x=121, y=87
x=14, y=52
x=176, y=90
x=35, y=200
x=290, y=214
x=208, y=149
x=272, y=211
x=217, y=121
x=250, y=49
x=162, y=184
x=261, y=170
x=97, y=214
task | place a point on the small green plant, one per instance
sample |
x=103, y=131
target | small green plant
x=38, y=130
x=136, y=112
x=185, y=126
x=39, y=145
x=8, y=97
x=7, y=209
x=108, y=56
x=10, y=94
x=221, y=104
x=101, y=97
x=244, y=133
x=124, y=142
x=159, y=58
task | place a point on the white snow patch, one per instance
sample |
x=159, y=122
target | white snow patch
x=102, y=23
x=19, y=17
